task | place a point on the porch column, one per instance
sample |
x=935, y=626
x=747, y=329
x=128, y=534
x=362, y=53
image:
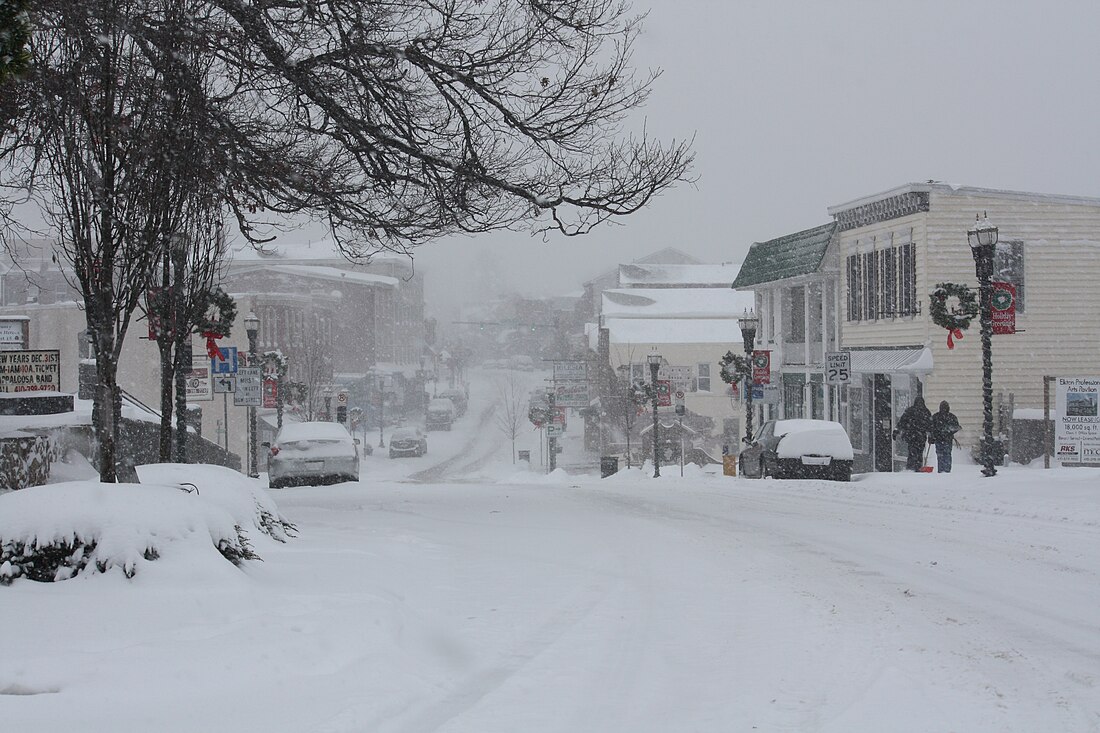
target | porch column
x=825, y=389
x=807, y=403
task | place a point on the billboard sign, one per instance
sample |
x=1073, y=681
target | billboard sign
x=1003, y=301
x=1077, y=420
x=30, y=371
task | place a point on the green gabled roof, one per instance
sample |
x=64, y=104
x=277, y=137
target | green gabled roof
x=788, y=256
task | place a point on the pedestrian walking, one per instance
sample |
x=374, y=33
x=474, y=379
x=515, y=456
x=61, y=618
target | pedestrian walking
x=942, y=435
x=913, y=428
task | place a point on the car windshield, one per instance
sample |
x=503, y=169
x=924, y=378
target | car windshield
x=404, y=434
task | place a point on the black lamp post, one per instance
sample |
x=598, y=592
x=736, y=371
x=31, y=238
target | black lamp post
x=252, y=328
x=327, y=394
x=654, y=366
x=983, y=244
x=748, y=323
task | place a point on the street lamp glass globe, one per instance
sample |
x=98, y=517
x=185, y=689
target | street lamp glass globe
x=251, y=322
x=984, y=234
x=654, y=358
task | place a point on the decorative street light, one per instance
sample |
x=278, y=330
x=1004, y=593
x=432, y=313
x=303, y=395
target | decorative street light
x=654, y=366
x=983, y=244
x=252, y=328
x=748, y=323
x=327, y=394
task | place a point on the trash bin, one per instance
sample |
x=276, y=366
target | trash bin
x=609, y=465
x=525, y=455
x=729, y=465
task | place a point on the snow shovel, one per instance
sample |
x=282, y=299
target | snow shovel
x=926, y=468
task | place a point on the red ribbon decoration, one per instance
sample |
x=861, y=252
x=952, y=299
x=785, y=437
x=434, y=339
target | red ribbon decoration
x=212, y=349
x=952, y=334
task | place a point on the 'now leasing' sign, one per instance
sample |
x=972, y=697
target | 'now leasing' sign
x=30, y=371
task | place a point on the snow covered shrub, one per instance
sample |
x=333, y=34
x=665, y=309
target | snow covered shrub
x=59, y=531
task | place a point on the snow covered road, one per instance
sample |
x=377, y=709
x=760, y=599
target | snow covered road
x=534, y=603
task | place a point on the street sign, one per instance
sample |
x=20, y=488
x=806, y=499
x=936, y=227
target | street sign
x=342, y=397
x=553, y=430
x=570, y=371
x=226, y=384
x=838, y=367
x=228, y=365
x=571, y=394
x=249, y=387
x=199, y=385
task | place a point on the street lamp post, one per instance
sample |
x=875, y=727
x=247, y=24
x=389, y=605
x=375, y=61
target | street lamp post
x=327, y=393
x=381, y=409
x=252, y=328
x=654, y=366
x=983, y=243
x=748, y=323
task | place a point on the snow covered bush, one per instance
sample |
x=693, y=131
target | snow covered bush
x=195, y=515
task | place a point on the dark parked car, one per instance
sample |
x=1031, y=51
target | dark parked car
x=441, y=414
x=310, y=453
x=798, y=449
x=408, y=442
x=458, y=397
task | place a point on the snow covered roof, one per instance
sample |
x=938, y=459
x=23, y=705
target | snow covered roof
x=298, y=251
x=662, y=275
x=668, y=255
x=673, y=330
x=788, y=256
x=324, y=273
x=674, y=303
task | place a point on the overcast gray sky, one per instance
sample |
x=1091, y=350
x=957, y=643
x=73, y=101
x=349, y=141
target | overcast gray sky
x=797, y=106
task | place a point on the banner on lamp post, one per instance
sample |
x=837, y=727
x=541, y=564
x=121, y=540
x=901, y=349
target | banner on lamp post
x=761, y=367
x=1003, y=308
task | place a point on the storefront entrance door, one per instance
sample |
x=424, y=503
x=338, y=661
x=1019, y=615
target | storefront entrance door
x=882, y=423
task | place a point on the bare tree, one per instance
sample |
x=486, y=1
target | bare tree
x=395, y=122
x=511, y=410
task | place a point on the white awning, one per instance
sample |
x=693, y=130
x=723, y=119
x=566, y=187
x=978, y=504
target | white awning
x=916, y=360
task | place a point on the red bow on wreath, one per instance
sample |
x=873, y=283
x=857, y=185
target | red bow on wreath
x=212, y=349
x=953, y=334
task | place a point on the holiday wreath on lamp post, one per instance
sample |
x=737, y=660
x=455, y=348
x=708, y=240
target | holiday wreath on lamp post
x=956, y=319
x=733, y=368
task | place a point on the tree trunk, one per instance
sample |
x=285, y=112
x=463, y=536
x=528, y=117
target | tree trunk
x=107, y=407
x=180, y=370
x=166, y=372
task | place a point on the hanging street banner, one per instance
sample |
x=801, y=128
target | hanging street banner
x=571, y=394
x=570, y=371
x=1004, y=308
x=761, y=367
x=664, y=393
x=249, y=387
x=200, y=387
x=1077, y=420
x=271, y=392
x=30, y=371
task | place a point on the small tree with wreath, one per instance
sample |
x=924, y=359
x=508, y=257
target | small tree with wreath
x=957, y=318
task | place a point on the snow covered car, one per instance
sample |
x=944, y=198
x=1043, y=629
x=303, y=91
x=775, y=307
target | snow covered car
x=441, y=413
x=408, y=442
x=311, y=453
x=458, y=397
x=798, y=449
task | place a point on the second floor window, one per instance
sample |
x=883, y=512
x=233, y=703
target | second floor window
x=703, y=382
x=882, y=283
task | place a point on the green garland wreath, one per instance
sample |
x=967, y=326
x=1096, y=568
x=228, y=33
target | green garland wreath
x=220, y=313
x=959, y=318
x=742, y=368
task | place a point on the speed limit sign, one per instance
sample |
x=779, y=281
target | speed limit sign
x=838, y=367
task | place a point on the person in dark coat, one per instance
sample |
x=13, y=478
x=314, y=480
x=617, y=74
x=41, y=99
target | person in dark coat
x=942, y=435
x=913, y=428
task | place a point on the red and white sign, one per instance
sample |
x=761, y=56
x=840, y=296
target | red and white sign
x=271, y=392
x=664, y=393
x=761, y=367
x=1003, y=308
